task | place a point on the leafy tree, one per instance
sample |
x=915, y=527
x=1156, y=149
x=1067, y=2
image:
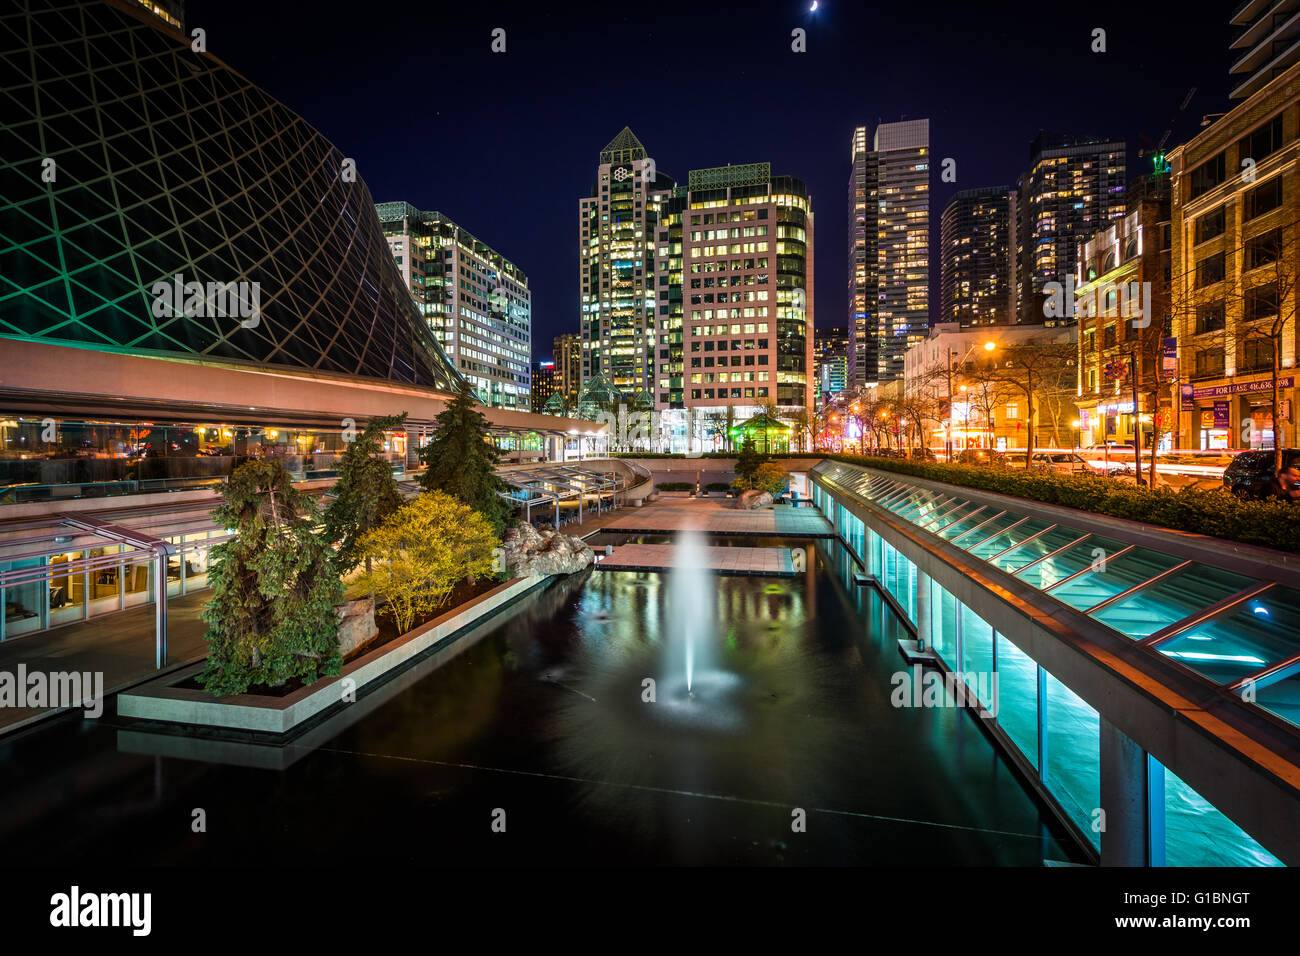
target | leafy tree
x=365, y=493
x=461, y=458
x=770, y=477
x=422, y=551
x=274, y=586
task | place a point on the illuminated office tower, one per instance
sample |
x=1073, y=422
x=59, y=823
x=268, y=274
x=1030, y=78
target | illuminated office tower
x=568, y=367
x=619, y=299
x=476, y=301
x=744, y=276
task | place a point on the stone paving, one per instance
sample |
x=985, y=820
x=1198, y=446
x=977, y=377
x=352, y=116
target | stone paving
x=718, y=516
x=660, y=557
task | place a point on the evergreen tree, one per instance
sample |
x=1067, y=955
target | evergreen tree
x=748, y=461
x=271, y=616
x=460, y=460
x=365, y=494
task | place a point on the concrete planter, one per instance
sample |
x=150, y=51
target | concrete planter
x=163, y=700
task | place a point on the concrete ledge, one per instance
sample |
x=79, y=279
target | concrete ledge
x=162, y=700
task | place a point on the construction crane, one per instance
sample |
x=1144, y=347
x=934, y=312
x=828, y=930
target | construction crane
x=1158, y=153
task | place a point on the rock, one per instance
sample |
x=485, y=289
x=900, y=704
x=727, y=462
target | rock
x=753, y=499
x=532, y=552
x=356, y=624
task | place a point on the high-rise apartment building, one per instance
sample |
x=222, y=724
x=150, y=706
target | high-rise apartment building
x=976, y=260
x=862, y=353
x=889, y=248
x=476, y=301
x=619, y=300
x=743, y=269
x=1266, y=44
x=831, y=361
x=1075, y=185
x=567, y=354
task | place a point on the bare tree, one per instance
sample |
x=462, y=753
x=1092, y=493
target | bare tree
x=1032, y=366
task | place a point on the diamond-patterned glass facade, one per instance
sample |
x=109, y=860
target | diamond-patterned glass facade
x=126, y=159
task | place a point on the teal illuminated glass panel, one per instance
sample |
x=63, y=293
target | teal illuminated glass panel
x=1072, y=771
x=1264, y=630
x=1005, y=539
x=1113, y=577
x=1180, y=595
x=977, y=654
x=993, y=528
x=1017, y=701
x=973, y=519
x=943, y=622
x=1057, y=568
x=1196, y=834
x=947, y=517
x=1282, y=695
x=1031, y=551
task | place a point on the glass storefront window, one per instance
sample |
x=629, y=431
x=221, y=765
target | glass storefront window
x=977, y=655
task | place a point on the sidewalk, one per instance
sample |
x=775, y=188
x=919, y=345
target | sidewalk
x=121, y=646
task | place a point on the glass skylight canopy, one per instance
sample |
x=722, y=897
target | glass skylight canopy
x=1234, y=630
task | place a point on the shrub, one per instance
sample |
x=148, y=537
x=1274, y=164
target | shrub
x=1271, y=524
x=770, y=477
x=422, y=551
x=717, y=486
x=675, y=485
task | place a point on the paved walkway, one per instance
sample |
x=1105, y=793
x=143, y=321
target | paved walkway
x=120, y=646
x=662, y=557
x=717, y=516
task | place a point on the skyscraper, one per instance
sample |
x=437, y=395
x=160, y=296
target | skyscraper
x=831, y=356
x=1074, y=186
x=543, y=384
x=568, y=367
x=619, y=300
x=1265, y=46
x=976, y=258
x=861, y=352
x=889, y=248
x=476, y=301
x=745, y=281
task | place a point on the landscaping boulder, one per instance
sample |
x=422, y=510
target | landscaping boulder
x=753, y=498
x=529, y=551
x=356, y=624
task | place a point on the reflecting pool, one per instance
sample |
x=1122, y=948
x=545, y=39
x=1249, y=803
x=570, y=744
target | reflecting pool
x=568, y=713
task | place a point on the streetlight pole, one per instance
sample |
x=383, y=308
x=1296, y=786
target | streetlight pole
x=948, y=430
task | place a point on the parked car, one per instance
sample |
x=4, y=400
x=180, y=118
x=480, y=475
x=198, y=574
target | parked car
x=1066, y=462
x=979, y=456
x=1252, y=476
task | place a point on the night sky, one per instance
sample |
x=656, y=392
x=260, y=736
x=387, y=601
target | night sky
x=506, y=144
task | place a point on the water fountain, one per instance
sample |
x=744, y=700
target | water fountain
x=690, y=610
